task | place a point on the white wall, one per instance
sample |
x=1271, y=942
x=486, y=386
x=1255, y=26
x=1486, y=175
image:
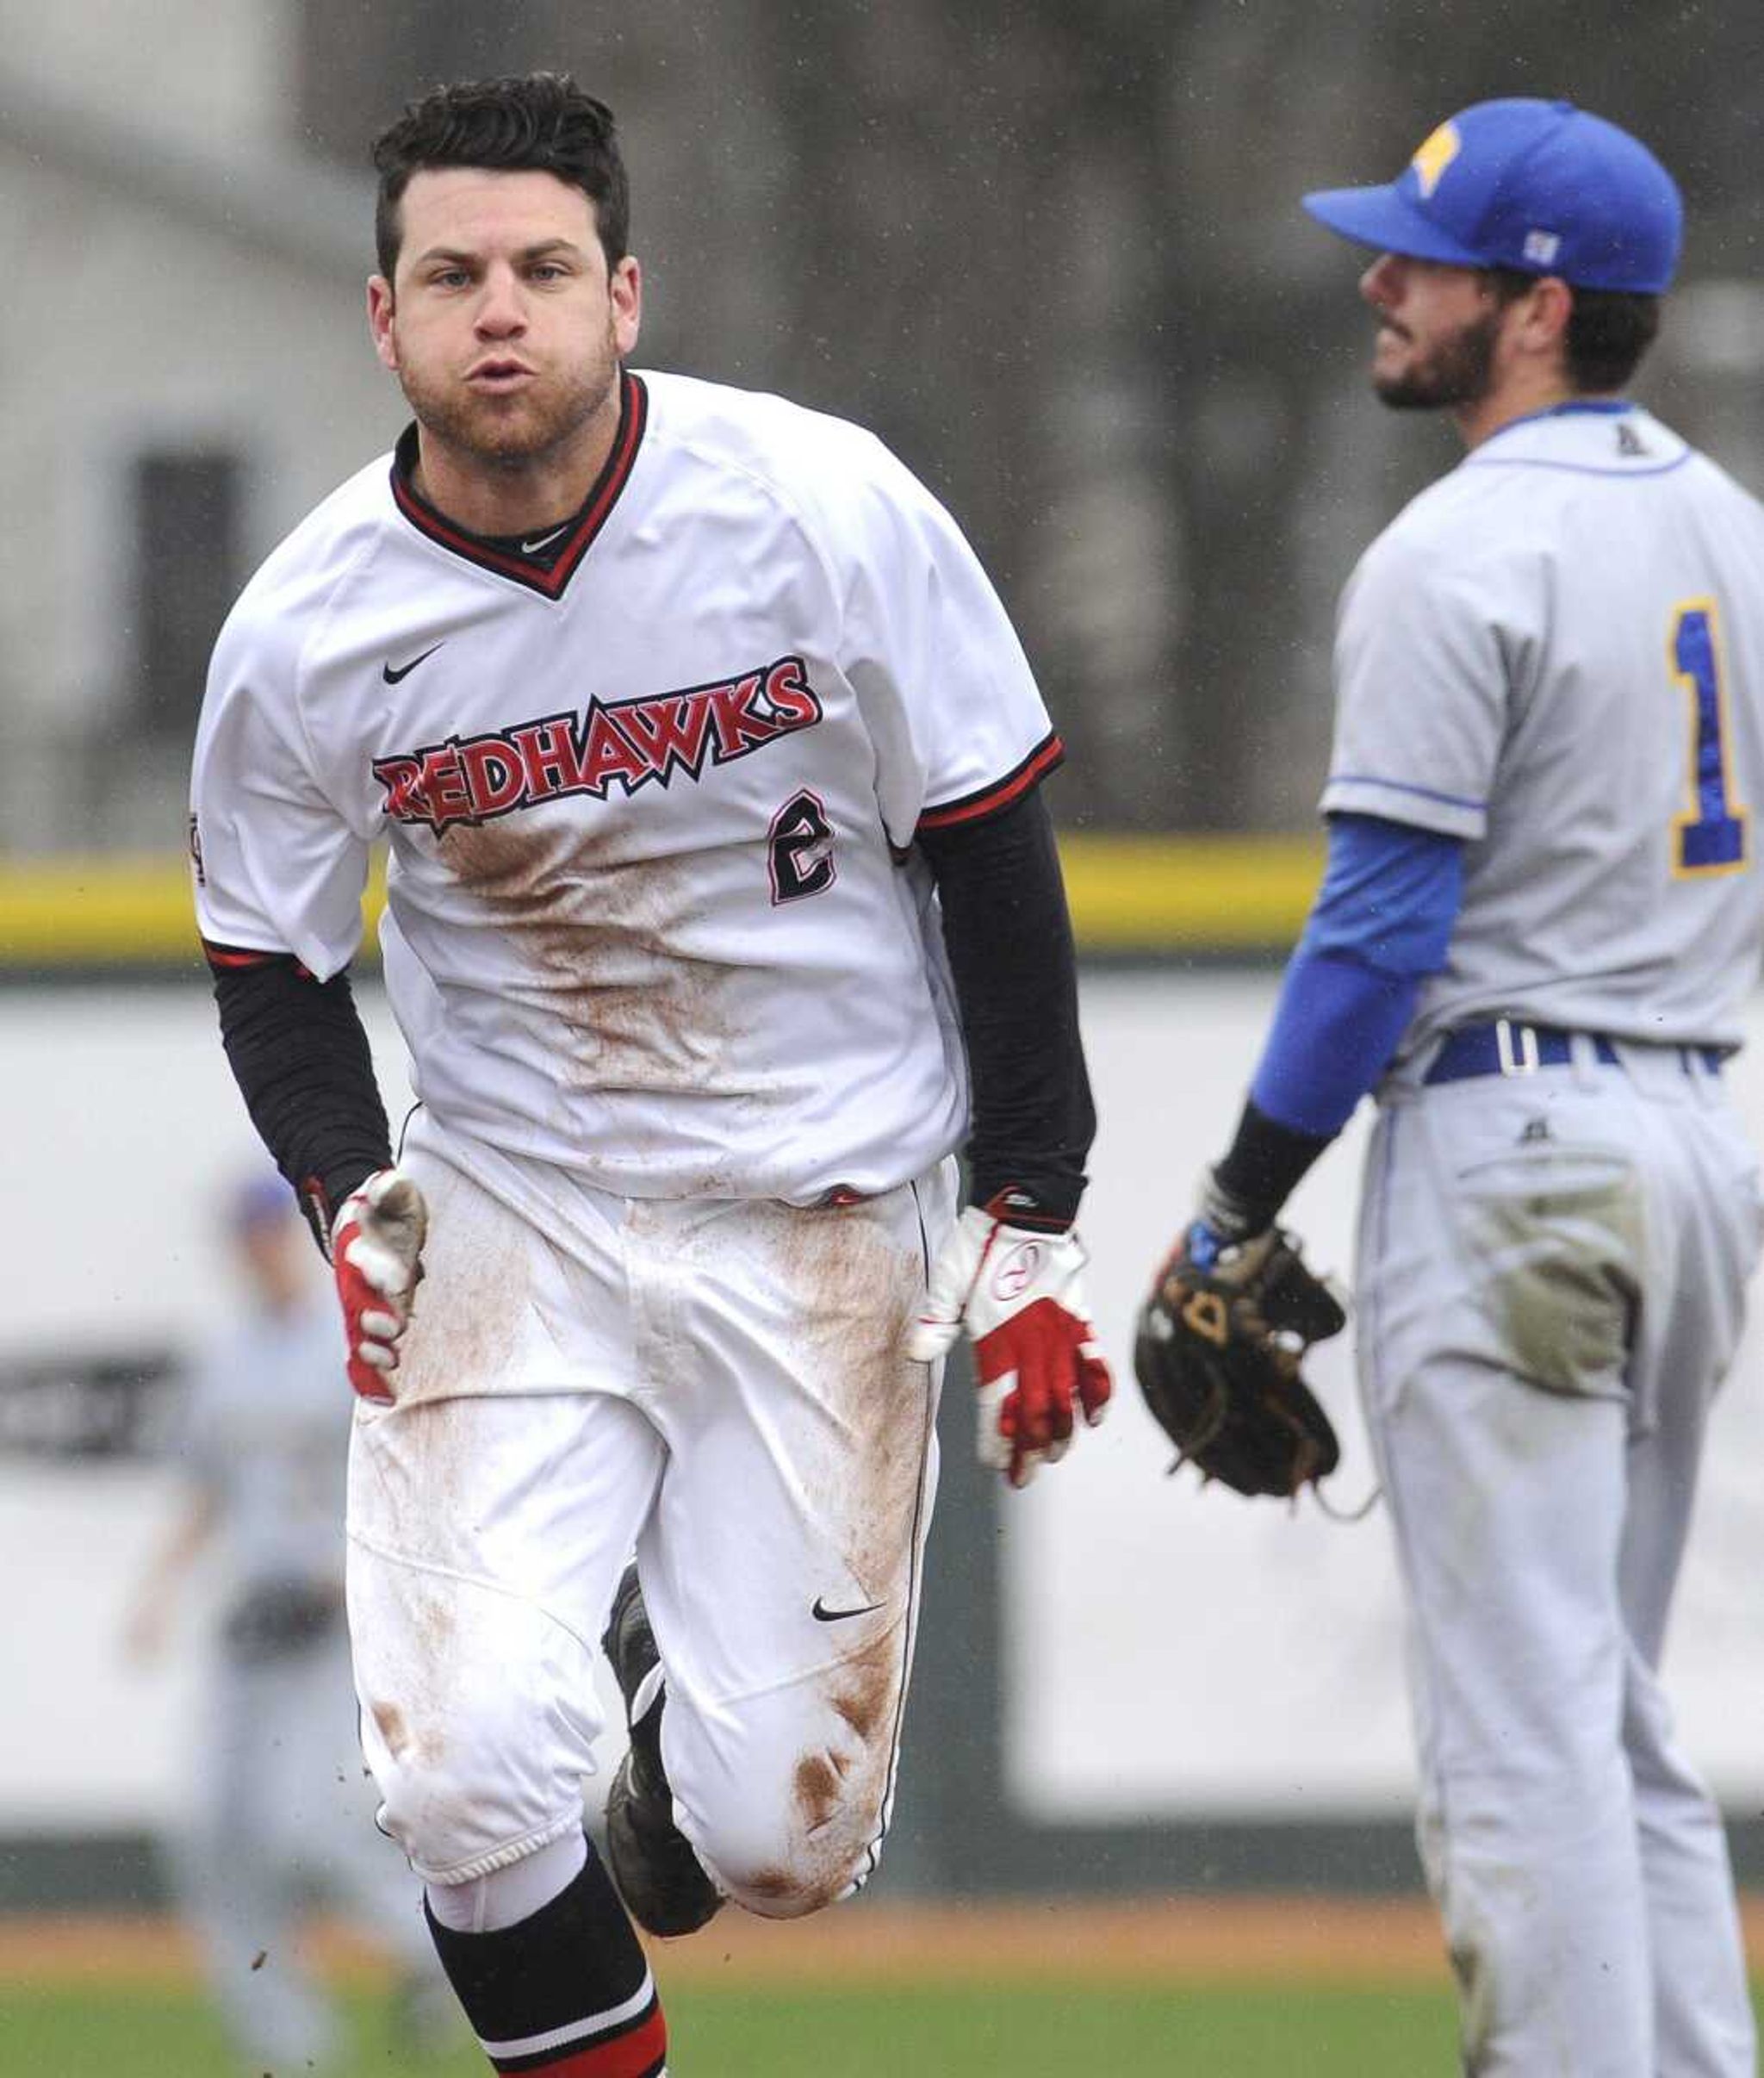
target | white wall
x=1279, y=1687
x=123, y=1132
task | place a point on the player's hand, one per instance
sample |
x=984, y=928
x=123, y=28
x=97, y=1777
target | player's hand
x=1018, y=1295
x=376, y=1251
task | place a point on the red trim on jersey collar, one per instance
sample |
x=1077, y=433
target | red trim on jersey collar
x=989, y=800
x=633, y=416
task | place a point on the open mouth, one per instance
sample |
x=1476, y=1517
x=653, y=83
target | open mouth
x=499, y=375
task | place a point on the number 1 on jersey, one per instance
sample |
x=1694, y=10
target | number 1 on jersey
x=1711, y=837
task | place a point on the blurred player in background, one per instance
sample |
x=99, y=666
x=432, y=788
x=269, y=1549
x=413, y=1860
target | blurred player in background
x=282, y=1815
x=711, y=766
x=1540, y=921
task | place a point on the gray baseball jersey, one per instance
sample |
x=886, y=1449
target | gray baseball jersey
x=1488, y=688
x=266, y=1429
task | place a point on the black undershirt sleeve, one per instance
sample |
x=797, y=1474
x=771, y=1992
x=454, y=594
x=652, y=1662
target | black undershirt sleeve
x=1009, y=937
x=1264, y=1167
x=300, y=1058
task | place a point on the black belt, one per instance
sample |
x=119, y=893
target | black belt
x=1506, y=1047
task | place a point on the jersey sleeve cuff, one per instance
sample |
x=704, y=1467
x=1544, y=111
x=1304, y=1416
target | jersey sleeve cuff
x=1397, y=801
x=1000, y=793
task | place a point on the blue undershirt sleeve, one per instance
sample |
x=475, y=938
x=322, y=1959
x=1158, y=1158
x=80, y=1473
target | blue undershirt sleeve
x=1381, y=923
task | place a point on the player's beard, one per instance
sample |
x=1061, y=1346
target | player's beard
x=509, y=433
x=1460, y=371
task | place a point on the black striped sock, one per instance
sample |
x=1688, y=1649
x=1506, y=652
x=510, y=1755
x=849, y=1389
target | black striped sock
x=565, y=1992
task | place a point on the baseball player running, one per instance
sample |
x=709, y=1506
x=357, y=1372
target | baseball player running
x=711, y=766
x=1539, y=922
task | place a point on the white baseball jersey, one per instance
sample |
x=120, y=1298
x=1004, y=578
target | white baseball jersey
x=1556, y=652
x=651, y=917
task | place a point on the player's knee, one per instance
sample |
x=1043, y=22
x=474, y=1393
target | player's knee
x=454, y=1792
x=1537, y=1805
x=784, y=1859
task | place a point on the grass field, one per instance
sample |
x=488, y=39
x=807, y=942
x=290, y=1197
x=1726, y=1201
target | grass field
x=1260, y=1989
x=1050, y=2031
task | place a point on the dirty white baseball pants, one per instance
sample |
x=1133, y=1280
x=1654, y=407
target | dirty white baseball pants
x=1552, y=1271
x=720, y=1383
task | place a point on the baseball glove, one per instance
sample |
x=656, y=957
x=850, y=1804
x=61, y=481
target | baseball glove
x=1218, y=1353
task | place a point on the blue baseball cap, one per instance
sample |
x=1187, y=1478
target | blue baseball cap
x=1541, y=186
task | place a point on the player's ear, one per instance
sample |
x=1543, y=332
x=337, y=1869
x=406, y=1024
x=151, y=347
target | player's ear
x=1549, y=304
x=380, y=315
x=625, y=287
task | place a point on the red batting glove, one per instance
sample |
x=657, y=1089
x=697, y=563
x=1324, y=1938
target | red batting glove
x=1017, y=1294
x=376, y=1252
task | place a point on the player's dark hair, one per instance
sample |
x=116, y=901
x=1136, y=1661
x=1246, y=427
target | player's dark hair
x=534, y=123
x=1608, y=329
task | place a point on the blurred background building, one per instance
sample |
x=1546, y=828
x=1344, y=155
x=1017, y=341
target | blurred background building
x=1052, y=253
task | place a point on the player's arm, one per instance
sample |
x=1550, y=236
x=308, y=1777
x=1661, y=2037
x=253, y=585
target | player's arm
x=1010, y=1274
x=1381, y=924
x=148, y=1622
x=300, y=1055
x=1008, y=934
x=1218, y=1345
x=1408, y=787
x=962, y=740
x=280, y=852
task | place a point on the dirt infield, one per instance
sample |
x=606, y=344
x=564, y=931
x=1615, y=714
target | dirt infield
x=1151, y=1940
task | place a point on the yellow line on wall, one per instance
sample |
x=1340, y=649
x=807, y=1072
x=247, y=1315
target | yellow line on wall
x=1193, y=894
x=1128, y=894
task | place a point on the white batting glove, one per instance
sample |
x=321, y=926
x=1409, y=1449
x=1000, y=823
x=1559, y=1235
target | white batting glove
x=376, y=1252
x=1017, y=1294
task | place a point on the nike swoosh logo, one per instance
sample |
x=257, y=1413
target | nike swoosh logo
x=532, y=547
x=822, y=1613
x=392, y=674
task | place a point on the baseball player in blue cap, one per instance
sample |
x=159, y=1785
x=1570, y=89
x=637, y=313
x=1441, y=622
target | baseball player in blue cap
x=1539, y=923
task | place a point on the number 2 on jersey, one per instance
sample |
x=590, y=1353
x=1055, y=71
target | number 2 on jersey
x=1711, y=837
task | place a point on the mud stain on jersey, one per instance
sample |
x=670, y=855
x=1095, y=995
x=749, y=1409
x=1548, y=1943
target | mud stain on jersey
x=1559, y=1275
x=866, y=1692
x=769, y=1886
x=817, y=1791
x=414, y=1747
x=468, y=1325
x=389, y=1720
x=839, y=1790
x=426, y=1642
x=408, y=1746
x=839, y=1786
x=850, y=1289
x=602, y=939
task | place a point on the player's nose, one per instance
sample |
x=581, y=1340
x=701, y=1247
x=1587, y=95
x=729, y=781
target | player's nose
x=1382, y=283
x=501, y=310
